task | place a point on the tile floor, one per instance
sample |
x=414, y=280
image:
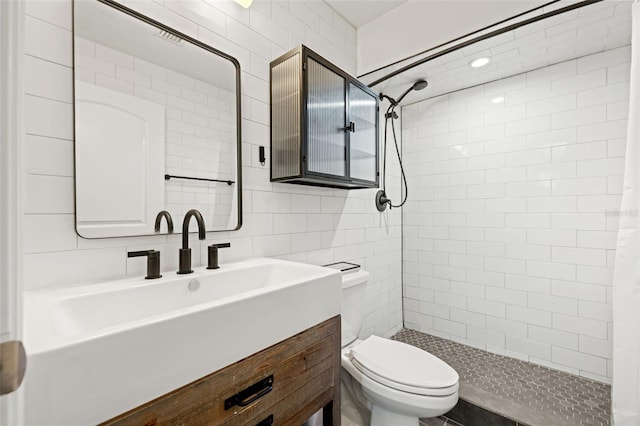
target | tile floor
x=524, y=393
x=439, y=421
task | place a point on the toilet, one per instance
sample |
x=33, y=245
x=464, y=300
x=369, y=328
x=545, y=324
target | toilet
x=397, y=382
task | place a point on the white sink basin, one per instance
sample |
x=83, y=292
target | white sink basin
x=95, y=351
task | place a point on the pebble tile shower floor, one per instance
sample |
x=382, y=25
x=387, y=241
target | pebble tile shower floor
x=498, y=390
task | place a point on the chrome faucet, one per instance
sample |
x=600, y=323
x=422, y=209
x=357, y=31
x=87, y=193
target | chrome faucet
x=167, y=216
x=184, y=264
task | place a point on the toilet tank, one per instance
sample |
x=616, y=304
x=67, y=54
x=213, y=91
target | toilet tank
x=354, y=302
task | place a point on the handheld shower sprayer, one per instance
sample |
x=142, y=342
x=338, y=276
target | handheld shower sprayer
x=381, y=196
x=418, y=85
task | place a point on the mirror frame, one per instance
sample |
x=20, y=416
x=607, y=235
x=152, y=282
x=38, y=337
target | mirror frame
x=137, y=15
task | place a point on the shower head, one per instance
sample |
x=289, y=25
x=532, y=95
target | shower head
x=418, y=85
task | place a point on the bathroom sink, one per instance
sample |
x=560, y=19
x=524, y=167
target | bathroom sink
x=76, y=311
x=98, y=350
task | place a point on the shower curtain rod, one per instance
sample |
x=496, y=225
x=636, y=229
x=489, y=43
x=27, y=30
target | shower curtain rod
x=484, y=37
x=457, y=38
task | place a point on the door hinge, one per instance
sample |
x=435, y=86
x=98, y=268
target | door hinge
x=13, y=363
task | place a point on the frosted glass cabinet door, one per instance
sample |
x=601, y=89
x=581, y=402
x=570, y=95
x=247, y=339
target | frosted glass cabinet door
x=323, y=124
x=363, y=113
x=326, y=110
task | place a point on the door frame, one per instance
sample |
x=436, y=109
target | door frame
x=11, y=178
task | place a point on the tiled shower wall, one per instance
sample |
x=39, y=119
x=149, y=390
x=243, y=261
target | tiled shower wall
x=292, y=222
x=510, y=228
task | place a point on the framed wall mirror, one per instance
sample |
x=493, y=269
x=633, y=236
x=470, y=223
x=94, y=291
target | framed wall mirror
x=157, y=125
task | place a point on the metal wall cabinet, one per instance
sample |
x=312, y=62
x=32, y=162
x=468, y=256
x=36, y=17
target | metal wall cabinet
x=324, y=124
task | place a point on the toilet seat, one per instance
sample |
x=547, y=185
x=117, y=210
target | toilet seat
x=404, y=367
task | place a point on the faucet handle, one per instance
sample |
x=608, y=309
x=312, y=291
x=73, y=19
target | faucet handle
x=220, y=245
x=153, y=262
x=212, y=252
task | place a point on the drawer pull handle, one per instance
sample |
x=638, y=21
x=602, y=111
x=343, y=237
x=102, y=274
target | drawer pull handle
x=266, y=422
x=250, y=394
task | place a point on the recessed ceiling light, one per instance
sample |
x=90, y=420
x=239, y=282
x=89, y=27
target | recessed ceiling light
x=480, y=62
x=498, y=100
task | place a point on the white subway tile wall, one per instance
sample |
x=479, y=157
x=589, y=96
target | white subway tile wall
x=510, y=230
x=198, y=127
x=299, y=223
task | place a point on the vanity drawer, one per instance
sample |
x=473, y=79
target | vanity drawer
x=297, y=373
x=305, y=377
x=294, y=408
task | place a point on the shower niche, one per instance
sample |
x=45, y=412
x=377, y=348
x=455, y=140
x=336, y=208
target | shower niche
x=324, y=124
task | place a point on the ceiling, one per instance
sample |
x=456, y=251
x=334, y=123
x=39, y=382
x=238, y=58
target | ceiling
x=360, y=12
x=569, y=35
x=392, y=30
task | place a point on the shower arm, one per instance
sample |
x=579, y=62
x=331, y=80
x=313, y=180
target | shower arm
x=392, y=101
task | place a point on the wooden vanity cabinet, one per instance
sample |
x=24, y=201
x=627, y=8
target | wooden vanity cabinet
x=282, y=385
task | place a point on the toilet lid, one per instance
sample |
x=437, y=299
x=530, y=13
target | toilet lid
x=404, y=367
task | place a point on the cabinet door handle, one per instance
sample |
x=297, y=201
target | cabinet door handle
x=266, y=422
x=250, y=394
x=351, y=127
